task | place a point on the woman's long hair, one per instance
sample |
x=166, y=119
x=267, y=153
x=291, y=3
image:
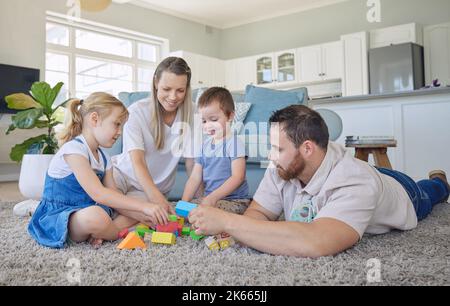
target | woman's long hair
x=179, y=67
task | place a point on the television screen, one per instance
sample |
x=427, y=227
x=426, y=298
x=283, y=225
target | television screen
x=15, y=79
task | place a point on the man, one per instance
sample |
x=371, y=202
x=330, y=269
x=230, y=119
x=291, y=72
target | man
x=329, y=198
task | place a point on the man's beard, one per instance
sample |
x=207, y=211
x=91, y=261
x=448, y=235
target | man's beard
x=294, y=170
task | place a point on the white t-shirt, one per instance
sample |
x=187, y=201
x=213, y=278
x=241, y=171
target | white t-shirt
x=59, y=168
x=161, y=164
x=343, y=188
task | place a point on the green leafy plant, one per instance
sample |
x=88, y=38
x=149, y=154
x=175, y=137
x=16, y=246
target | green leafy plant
x=36, y=111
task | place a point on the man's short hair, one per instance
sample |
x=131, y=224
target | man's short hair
x=220, y=95
x=301, y=124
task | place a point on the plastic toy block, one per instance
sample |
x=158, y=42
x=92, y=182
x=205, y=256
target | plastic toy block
x=181, y=221
x=183, y=208
x=164, y=238
x=142, y=226
x=173, y=218
x=180, y=229
x=123, y=233
x=212, y=244
x=195, y=236
x=131, y=242
x=170, y=227
x=142, y=231
x=148, y=238
x=186, y=231
x=226, y=243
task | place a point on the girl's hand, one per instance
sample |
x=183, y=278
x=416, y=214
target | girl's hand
x=167, y=207
x=156, y=214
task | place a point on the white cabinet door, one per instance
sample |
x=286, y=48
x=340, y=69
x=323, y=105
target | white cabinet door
x=437, y=53
x=356, y=66
x=265, y=66
x=245, y=73
x=219, y=73
x=309, y=64
x=285, y=67
x=332, y=60
x=411, y=32
x=230, y=74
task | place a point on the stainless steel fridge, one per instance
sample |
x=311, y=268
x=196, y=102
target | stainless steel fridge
x=396, y=68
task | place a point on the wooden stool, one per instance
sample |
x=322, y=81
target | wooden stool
x=379, y=151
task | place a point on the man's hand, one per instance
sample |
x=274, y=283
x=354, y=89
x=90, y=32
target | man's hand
x=208, y=220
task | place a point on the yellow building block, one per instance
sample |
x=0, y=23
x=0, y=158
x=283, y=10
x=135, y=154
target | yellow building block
x=181, y=221
x=164, y=238
x=131, y=242
x=212, y=244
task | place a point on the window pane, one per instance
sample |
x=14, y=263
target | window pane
x=147, y=52
x=57, y=70
x=145, y=77
x=57, y=34
x=98, y=75
x=57, y=62
x=103, y=43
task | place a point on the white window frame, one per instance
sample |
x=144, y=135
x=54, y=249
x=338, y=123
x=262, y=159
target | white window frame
x=72, y=52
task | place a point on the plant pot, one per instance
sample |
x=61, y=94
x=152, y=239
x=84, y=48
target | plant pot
x=32, y=175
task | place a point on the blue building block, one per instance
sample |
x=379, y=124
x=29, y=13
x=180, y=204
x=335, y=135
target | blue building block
x=183, y=208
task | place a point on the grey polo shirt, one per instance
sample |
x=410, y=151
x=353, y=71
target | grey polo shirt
x=343, y=188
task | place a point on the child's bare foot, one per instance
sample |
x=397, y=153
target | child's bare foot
x=95, y=242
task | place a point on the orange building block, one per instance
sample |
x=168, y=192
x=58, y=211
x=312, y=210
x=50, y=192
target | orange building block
x=131, y=242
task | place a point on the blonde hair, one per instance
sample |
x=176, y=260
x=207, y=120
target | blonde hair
x=179, y=67
x=98, y=102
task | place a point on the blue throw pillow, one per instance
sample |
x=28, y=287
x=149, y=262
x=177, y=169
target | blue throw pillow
x=265, y=101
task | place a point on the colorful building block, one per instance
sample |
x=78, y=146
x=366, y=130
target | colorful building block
x=170, y=227
x=195, y=236
x=226, y=243
x=164, y=238
x=173, y=218
x=123, y=233
x=184, y=208
x=186, y=231
x=181, y=221
x=131, y=242
x=142, y=231
x=212, y=244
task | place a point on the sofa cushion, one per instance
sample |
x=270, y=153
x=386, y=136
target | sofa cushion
x=241, y=110
x=265, y=101
x=129, y=98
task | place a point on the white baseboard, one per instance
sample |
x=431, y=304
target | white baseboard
x=9, y=172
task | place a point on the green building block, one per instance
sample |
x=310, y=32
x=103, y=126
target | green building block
x=141, y=231
x=185, y=231
x=195, y=236
x=173, y=218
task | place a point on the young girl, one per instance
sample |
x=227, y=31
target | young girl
x=221, y=166
x=79, y=193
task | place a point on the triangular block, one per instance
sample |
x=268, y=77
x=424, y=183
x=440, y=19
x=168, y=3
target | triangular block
x=131, y=242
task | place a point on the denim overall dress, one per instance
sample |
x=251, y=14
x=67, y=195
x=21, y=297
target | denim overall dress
x=62, y=197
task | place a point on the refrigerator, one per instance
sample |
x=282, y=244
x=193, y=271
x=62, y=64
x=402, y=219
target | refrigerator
x=396, y=68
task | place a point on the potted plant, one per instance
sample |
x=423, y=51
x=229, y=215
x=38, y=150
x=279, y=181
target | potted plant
x=35, y=111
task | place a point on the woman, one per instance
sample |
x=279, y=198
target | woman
x=153, y=138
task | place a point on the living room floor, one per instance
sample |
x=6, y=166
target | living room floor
x=9, y=192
